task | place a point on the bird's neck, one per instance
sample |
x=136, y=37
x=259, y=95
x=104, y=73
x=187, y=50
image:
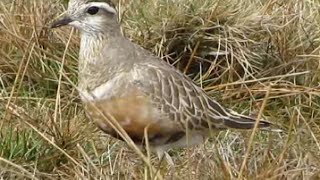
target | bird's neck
x=90, y=46
x=94, y=69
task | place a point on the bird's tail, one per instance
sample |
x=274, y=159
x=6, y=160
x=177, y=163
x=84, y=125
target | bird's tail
x=238, y=121
x=222, y=118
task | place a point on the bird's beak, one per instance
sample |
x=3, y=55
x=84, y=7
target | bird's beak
x=65, y=20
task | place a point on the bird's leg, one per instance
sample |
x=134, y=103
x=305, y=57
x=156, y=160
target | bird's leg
x=163, y=154
x=169, y=159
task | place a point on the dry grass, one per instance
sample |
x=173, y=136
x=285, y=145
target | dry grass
x=242, y=52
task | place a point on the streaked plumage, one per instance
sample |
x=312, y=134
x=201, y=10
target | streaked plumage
x=138, y=88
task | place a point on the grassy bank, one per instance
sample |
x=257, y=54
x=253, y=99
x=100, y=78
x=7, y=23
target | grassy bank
x=241, y=52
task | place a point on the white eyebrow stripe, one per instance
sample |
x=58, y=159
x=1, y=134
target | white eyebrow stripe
x=103, y=5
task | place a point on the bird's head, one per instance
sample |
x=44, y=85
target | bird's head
x=89, y=17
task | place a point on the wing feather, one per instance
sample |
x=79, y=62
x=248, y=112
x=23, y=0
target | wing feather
x=180, y=100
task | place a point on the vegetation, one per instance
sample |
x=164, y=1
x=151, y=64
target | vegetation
x=255, y=57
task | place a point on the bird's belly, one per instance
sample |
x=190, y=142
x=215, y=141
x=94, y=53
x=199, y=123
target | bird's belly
x=136, y=116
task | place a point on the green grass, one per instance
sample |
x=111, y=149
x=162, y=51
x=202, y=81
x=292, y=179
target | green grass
x=241, y=52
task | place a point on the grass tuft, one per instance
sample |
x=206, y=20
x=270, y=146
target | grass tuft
x=246, y=54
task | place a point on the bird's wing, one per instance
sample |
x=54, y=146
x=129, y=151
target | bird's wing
x=180, y=100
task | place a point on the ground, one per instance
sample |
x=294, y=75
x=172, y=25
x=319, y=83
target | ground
x=259, y=58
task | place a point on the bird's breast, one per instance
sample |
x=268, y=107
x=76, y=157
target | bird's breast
x=134, y=114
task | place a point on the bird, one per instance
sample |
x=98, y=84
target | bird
x=138, y=88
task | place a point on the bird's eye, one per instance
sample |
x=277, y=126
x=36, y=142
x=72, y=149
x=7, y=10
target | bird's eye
x=93, y=10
